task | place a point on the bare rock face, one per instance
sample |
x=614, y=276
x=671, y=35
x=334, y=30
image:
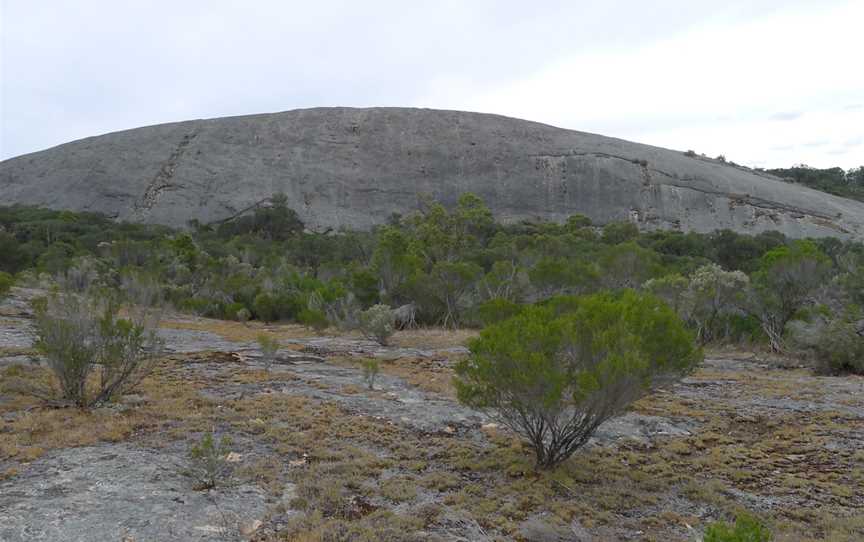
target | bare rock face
x=355, y=167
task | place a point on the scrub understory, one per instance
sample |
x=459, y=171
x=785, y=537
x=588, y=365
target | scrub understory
x=317, y=455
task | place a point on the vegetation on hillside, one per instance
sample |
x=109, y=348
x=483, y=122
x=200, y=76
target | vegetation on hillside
x=848, y=184
x=449, y=267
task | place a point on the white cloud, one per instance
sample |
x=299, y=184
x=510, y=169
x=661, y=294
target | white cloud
x=746, y=90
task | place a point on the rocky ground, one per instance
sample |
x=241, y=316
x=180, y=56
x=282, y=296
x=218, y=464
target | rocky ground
x=317, y=455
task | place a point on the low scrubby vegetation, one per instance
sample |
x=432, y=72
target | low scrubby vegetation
x=452, y=267
x=371, y=368
x=6, y=282
x=849, y=183
x=746, y=528
x=269, y=347
x=577, y=323
x=377, y=323
x=93, y=353
x=208, y=463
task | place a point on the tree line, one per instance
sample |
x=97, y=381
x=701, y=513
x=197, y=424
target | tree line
x=452, y=267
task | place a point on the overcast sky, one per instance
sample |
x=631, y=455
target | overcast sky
x=766, y=83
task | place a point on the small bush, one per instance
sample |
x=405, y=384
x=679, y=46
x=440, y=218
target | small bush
x=269, y=347
x=208, y=462
x=243, y=315
x=377, y=323
x=371, y=368
x=746, y=529
x=314, y=319
x=265, y=307
x=6, y=282
x=81, y=276
x=232, y=311
x=197, y=306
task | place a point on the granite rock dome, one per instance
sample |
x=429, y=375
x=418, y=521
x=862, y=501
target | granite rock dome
x=354, y=167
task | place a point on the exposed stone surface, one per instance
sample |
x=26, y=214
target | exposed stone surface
x=120, y=492
x=727, y=419
x=354, y=167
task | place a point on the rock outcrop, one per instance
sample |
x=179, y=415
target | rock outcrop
x=355, y=167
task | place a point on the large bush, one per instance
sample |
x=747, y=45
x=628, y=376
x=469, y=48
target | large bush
x=787, y=278
x=836, y=345
x=713, y=296
x=93, y=353
x=554, y=373
x=497, y=310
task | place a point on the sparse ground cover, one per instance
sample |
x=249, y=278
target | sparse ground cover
x=316, y=455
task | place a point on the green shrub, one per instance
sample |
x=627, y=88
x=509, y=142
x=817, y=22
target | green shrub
x=840, y=349
x=6, y=282
x=744, y=329
x=243, y=315
x=619, y=232
x=746, y=529
x=377, y=323
x=314, y=319
x=628, y=265
x=208, y=462
x=577, y=221
x=784, y=284
x=497, y=310
x=713, y=295
x=276, y=306
x=371, y=368
x=232, y=311
x=81, y=336
x=266, y=308
x=197, y=305
x=269, y=347
x=555, y=372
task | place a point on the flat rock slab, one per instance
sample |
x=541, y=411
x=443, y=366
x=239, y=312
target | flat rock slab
x=119, y=492
x=184, y=341
x=15, y=333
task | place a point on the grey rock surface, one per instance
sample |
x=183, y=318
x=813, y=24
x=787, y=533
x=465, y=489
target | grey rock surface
x=354, y=167
x=120, y=492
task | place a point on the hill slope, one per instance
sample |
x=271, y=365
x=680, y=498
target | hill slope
x=354, y=167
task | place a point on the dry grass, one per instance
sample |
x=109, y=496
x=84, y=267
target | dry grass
x=238, y=331
x=431, y=375
x=368, y=478
x=36, y=428
x=422, y=338
x=431, y=338
x=8, y=351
